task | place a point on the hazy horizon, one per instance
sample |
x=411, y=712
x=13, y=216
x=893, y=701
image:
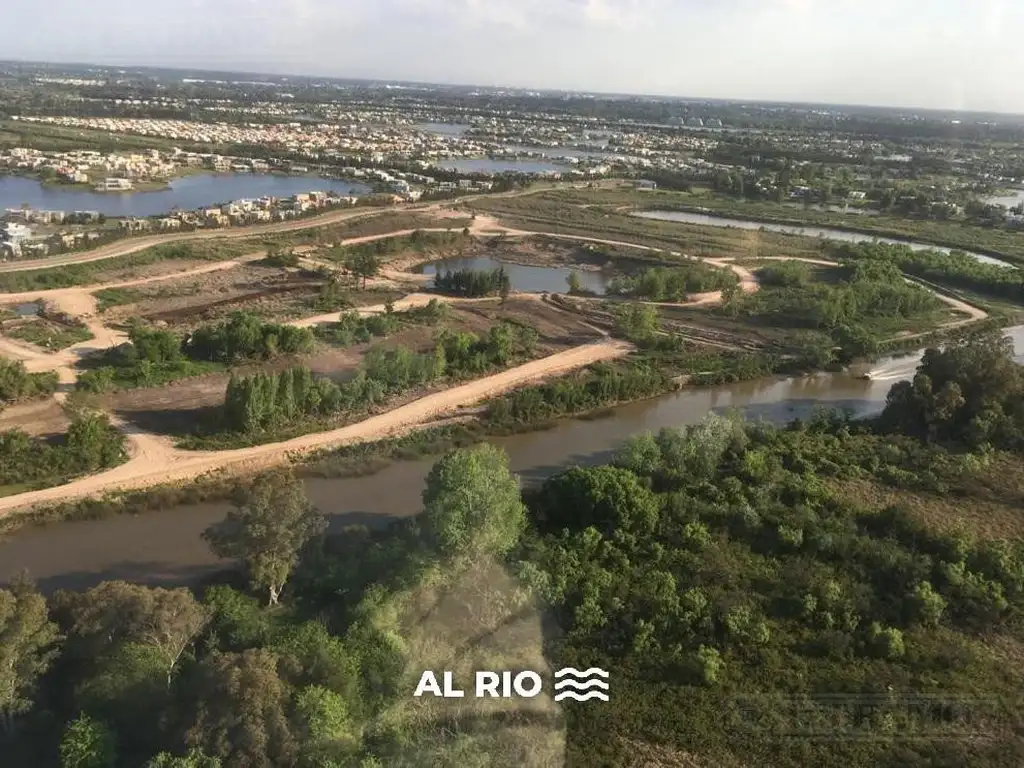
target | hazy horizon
x=954, y=55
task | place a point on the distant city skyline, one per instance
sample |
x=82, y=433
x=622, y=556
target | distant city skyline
x=946, y=54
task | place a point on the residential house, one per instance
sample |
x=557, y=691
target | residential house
x=115, y=184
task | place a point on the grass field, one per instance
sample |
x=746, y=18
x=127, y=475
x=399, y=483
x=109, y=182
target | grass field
x=49, y=335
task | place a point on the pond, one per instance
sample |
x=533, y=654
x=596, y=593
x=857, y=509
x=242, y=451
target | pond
x=187, y=193
x=528, y=279
x=828, y=233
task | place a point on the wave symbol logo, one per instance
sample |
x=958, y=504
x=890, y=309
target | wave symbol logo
x=570, y=682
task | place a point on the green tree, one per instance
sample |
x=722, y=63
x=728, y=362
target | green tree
x=240, y=712
x=709, y=664
x=886, y=642
x=575, y=285
x=271, y=522
x=194, y=759
x=92, y=442
x=166, y=620
x=606, y=498
x=28, y=646
x=363, y=263
x=472, y=504
x=636, y=321
x=927, y=605
x=324, y=718
x=87, y=743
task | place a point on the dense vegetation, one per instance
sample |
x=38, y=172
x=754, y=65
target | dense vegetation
x=90, y=444
x=970, y=392
x=265, y=406
x=17, y=384
x=673, y=283
x=599, y=387
x=750, y=608
x=154, y=356
x=851, y=310
x=473, y=282
x=353, y=328
x=955, y=269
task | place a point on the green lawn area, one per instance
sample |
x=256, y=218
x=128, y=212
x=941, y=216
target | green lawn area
x=49, y=335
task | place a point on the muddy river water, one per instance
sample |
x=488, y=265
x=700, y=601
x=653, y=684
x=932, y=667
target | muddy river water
x=165, y=547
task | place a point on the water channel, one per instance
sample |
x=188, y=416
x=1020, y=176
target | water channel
x=522, y=277
x=165, y=548
x=187, y=193
x=828, y=233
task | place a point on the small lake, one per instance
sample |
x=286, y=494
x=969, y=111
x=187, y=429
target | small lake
x=187, y=193
x=525, y=278
x=487, y=165
x=827, y=233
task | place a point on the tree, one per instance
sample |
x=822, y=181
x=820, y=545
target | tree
x=605, y=498
x=575, y=285
x=270, y=524
x=93, y=443
x=241, y=711
x=28, y=645
x=194, y=759
x=709, y=664
x=363, y=263
x=926, y=604
x=167, y=620
x=472, y=504
x=87, y=743
x=323, y=716
x=636, y=321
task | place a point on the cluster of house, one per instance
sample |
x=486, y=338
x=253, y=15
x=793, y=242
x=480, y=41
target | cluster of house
x=18, y=240
x=108, y=171
x=241, y=212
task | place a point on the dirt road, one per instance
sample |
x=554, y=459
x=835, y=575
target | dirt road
x=155, y=462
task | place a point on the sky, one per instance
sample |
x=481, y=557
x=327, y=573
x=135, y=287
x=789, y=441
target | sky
x=945, y=54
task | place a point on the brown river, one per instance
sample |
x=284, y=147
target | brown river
x=165, y=548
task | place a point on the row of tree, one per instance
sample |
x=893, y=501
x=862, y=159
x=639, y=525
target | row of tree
x=354, y=328
x=264, y=402
x=473, y=283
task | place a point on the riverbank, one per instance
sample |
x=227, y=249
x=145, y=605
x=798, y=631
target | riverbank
x=1005, y=245
x=362, y=458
